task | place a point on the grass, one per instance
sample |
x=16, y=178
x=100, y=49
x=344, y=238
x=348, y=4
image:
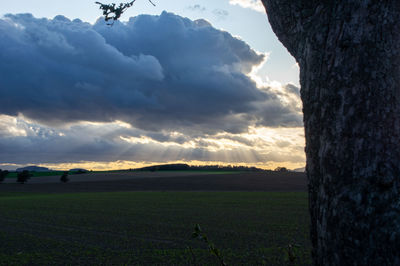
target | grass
x=142, y=228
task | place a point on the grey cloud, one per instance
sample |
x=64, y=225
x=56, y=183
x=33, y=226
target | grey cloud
x=103, y=143
x=196, y=7
x=283, y=143
x=68, y=149
x=220, y=13
x=155, y=72
x=293, y=89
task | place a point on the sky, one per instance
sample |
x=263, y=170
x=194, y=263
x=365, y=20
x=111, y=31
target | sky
x=198, y=82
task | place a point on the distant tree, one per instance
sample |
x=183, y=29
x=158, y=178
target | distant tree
x=23, y=176
x=64, y=177
x=281, y=169
x=3, y=175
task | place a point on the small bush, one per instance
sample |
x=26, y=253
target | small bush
x=281, y=169
x=64, y=178
x=198, y=234
x=23, y=176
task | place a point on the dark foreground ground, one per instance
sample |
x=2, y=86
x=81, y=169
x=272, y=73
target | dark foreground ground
x=148, y=219
x=153, y=228
x=167, y=181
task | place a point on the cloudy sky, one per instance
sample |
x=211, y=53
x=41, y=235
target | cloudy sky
x=200, y=82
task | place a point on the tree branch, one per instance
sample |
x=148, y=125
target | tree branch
x=111, y=12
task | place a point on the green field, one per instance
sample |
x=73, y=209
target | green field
x=142, y=228
x=39, y=174
x=36, y=174
x=59, y=173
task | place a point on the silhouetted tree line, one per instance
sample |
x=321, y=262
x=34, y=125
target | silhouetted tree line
x=180, y=167
x=79, y=172
x=281, y=169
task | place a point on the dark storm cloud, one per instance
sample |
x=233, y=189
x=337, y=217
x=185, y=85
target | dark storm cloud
x=155, y=72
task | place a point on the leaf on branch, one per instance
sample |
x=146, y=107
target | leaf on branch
x=114, y=12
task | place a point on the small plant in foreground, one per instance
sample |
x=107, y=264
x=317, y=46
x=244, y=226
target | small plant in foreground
x=198, y=234
x=23, y=176
x=64, y=178
x=3, y=175
x=291, y=253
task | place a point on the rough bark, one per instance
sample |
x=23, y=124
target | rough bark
x=349, y=58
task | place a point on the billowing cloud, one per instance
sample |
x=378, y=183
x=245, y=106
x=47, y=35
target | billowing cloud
x=252, y=4
x=153, y=89
x=155, y=72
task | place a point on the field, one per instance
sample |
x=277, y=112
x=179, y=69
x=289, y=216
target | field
x=161, y=181
x=153, y=227
x=74, y=173
x=37, y=174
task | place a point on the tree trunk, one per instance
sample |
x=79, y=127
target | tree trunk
x=349, y=57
